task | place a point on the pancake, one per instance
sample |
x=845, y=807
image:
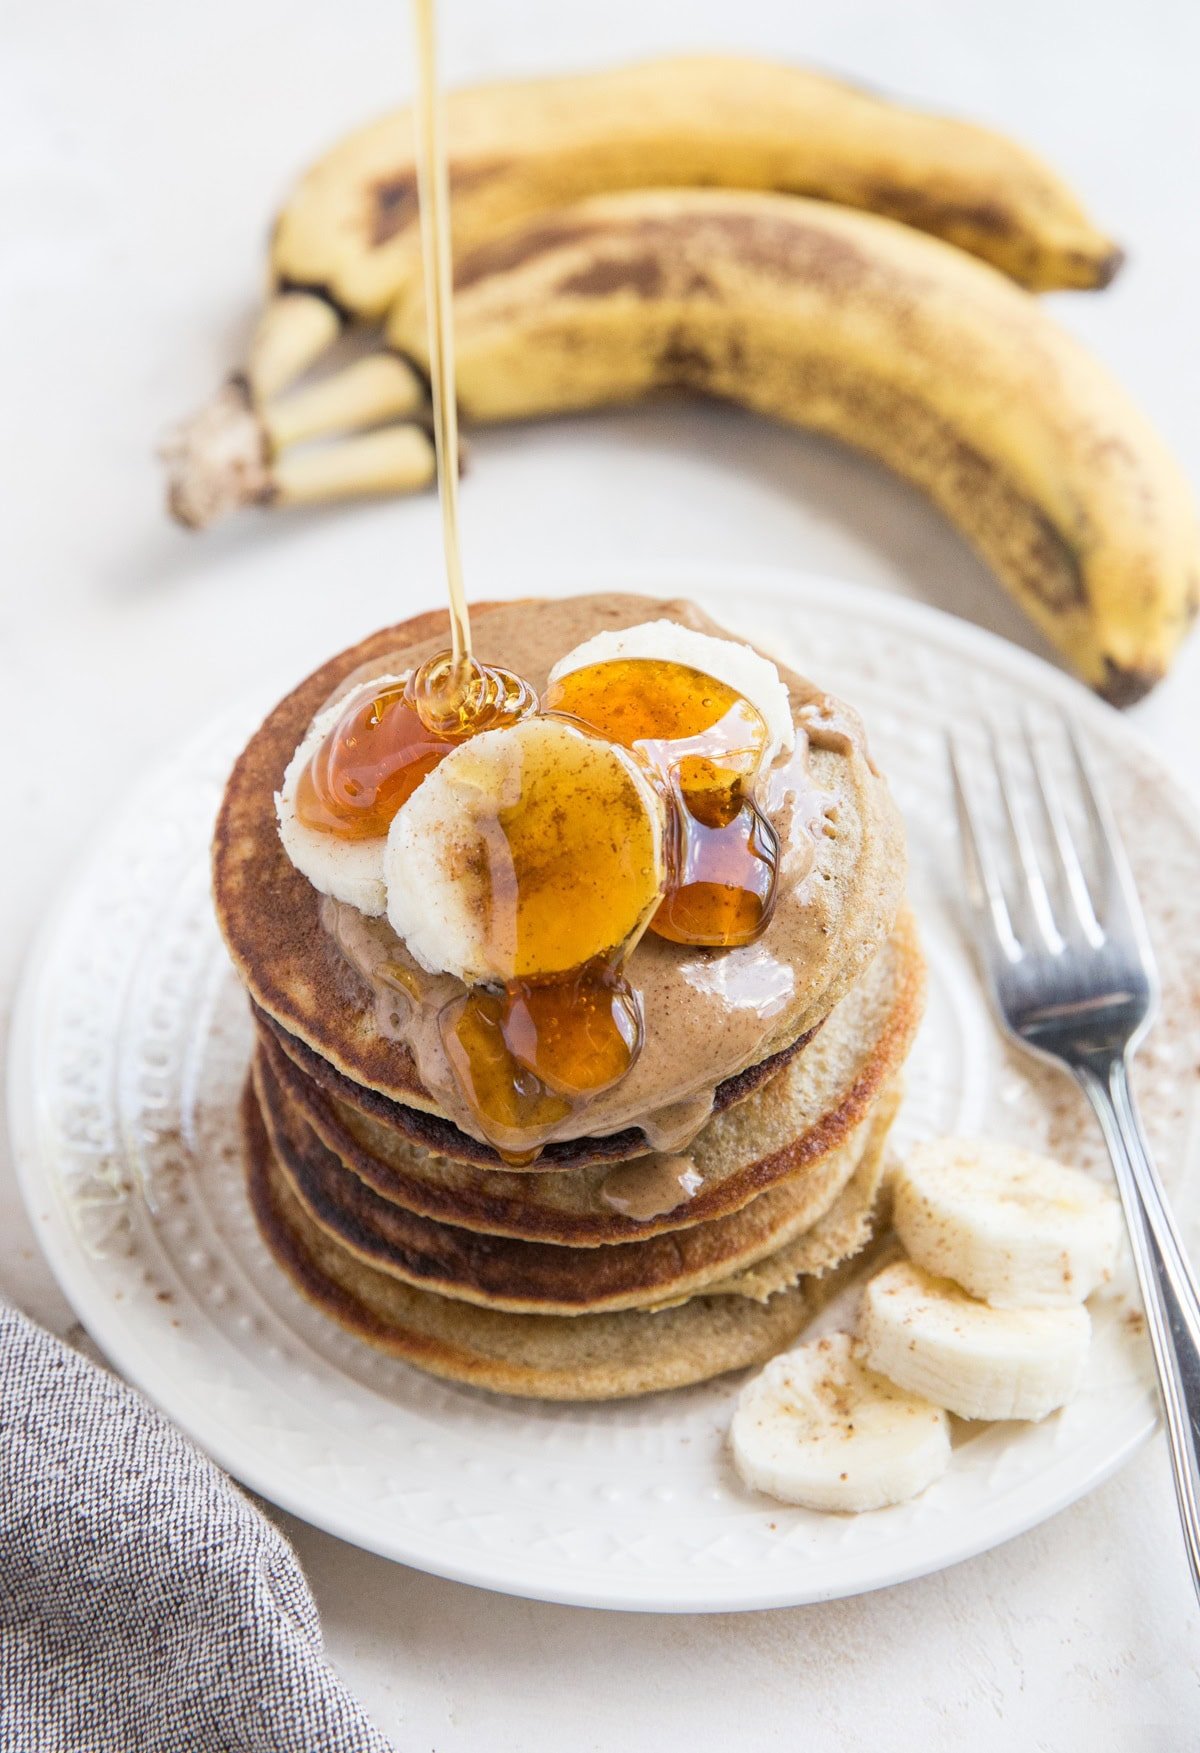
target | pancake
x=709, y=1015
x=857, y=1218
x=782, y=1130
x=585, y=1357
x=545, y=1278
x=433, y=1134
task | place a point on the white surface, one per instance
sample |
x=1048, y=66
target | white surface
x=131, y=1044
x=142, y=149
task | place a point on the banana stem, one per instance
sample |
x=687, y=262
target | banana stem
x=294, y=330
x=395, y=459
x=369, y=392
x=234, y=452
x=221, y=460
x=217, y=460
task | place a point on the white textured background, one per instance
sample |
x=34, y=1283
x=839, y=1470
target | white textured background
x=142, y=149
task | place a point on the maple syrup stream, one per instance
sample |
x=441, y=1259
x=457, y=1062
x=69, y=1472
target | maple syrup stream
x=449, y=689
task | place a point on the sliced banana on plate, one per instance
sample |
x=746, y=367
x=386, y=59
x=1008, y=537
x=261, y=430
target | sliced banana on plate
x=819, y=1427
x=931, y=1338
x=1018, y=1230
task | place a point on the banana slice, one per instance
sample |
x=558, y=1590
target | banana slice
x=754, y=677
x=1018, y=1230
x=528, y=851
x=349, y=870
x=931, y=1338
x=818, y=1427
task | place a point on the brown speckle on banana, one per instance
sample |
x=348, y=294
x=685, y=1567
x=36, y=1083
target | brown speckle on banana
x=863, y=329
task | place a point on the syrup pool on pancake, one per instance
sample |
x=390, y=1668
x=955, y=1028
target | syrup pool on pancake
x=704, y=715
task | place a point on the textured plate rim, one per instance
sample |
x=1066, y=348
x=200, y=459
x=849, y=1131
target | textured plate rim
x=104, y=1320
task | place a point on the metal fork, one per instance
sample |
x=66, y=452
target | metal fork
x=1073, y=978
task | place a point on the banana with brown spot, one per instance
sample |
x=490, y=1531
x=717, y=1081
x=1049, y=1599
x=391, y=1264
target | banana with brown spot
x=346, y=247
x=854, y=326
x=519, y=148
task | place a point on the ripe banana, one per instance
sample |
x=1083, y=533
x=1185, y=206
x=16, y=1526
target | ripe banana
x=347, y=244
x=933, y=1340
x=1016, y=1229
x=853, y=326
x=350, y=229
x=818, y=1427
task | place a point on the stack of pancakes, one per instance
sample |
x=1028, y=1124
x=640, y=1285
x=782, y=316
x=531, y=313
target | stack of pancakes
x=409, y=1229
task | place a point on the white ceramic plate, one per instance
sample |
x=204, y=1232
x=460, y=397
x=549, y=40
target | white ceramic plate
x=128, y=1051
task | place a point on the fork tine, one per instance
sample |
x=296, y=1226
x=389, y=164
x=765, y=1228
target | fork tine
x=1037, y=896
x=1055, y=816
x=1119, y=899
x=984, y=890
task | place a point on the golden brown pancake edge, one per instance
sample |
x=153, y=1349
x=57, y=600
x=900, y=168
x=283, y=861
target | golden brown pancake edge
x=546, y=1278
x=574, y=1358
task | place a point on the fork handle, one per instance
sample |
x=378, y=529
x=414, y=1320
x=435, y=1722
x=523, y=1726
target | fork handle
x=1168, y=1284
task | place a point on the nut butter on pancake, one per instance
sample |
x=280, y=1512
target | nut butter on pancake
x=709, y=1015
x=434, y=1135
x=543, y=1278
x=783, y=1130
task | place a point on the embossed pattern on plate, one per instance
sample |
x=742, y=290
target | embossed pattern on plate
x=129, y=1047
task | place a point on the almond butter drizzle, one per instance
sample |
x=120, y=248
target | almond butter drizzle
x=650, y=1185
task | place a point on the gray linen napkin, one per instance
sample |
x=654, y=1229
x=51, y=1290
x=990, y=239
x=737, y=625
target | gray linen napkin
x=145, y=1605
